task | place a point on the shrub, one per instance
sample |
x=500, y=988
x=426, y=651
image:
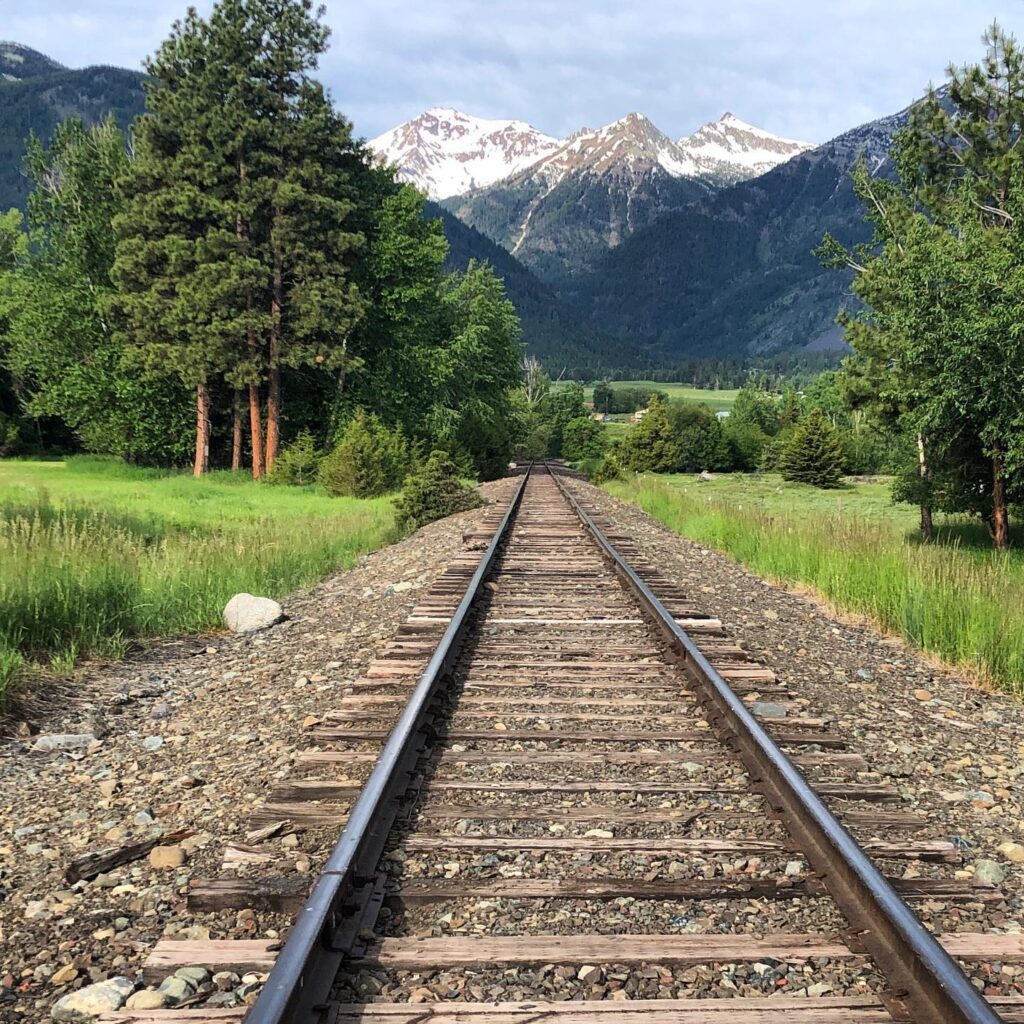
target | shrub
x=607, y=469
x=297, y=463
x=814, y=453
x=367, y=461
x=9, y=434
x=434, y=491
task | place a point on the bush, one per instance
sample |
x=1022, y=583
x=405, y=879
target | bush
x=368, y=460
x=607, y=469
x=434, y=491
x=297, y=463
x=814, y=453
x=9, y=435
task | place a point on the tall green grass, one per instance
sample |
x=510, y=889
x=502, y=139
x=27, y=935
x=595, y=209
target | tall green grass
x=965, y=606
x=94, y=553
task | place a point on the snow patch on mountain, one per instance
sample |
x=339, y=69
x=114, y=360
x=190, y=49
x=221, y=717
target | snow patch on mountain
x=445, y=152
x=729, y=150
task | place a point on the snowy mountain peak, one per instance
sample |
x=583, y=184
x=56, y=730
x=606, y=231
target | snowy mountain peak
x=729, y=150
x=445, y=152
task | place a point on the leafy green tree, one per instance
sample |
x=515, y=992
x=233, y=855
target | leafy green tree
x=60, y=345
x=941, y=281
x=583, y=439
x=652, y=445
x=477, y=369
x=813, y=454
x=369, y=459
x=700, y=438
x=558, y=409
x=433, y=491
x=757, y=407
x=394, y=351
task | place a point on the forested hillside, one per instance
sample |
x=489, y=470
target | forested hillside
x=736, y=272
x=36, y=94
x=554, y=331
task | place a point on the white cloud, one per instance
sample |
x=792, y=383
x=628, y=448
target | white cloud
x=804, y=68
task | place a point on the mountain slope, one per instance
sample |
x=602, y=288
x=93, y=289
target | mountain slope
x=444, y=152
x=36, y=93
x=734, y=274
x=555, y=332
x=17, y=62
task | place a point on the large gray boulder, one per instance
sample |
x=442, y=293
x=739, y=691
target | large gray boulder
x=245, y=613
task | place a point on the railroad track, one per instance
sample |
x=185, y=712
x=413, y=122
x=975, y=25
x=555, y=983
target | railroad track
x=568, y=796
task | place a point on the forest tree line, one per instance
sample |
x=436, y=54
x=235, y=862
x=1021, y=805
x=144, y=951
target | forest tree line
x=239, y=271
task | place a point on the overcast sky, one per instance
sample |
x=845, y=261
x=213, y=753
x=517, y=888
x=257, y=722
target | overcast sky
x=805, y=69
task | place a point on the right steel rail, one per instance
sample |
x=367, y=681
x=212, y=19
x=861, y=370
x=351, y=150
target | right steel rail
x=924, y=976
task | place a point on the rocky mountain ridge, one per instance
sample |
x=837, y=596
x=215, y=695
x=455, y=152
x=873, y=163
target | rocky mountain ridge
x=448, y=153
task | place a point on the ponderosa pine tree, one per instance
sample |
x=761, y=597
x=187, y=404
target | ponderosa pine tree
x=235, y=255
x=184, y=269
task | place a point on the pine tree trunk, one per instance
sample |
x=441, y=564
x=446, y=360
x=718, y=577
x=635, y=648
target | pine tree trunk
x=926, y=509
x=274, y=382
x=1000, y=517
x=202, y=460
x=236, y=433
x=256, y=432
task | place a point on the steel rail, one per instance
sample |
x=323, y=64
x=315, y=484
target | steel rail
x=924, y=976
x=301, y=979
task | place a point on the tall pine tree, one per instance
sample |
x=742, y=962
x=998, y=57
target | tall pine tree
x=235, y=254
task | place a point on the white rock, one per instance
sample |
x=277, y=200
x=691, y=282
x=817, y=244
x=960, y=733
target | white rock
x=63, y=741
x=1013, y=852
x=93, y=1000
x=147, y=999
x=245, y=613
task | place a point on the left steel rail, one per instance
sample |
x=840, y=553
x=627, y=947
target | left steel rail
x=328, y=927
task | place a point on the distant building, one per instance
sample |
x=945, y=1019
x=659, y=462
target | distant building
x=638, y=416
x=722, y=414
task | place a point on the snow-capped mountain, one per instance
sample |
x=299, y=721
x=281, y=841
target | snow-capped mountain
x=446, y=153
x=628, y=147
x=729, y=150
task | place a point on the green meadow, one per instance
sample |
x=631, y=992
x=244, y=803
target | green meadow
x=95, y=553
x=716, y=400
x=955, y=598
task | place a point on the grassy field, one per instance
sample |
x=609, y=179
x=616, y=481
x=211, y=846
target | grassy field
x=955, y=598
x=716, y=400
x=94, y=552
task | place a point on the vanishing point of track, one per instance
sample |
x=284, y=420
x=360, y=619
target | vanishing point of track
x=550, y=703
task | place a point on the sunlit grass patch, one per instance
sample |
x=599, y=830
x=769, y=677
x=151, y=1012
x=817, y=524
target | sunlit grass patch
x=954, y=598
